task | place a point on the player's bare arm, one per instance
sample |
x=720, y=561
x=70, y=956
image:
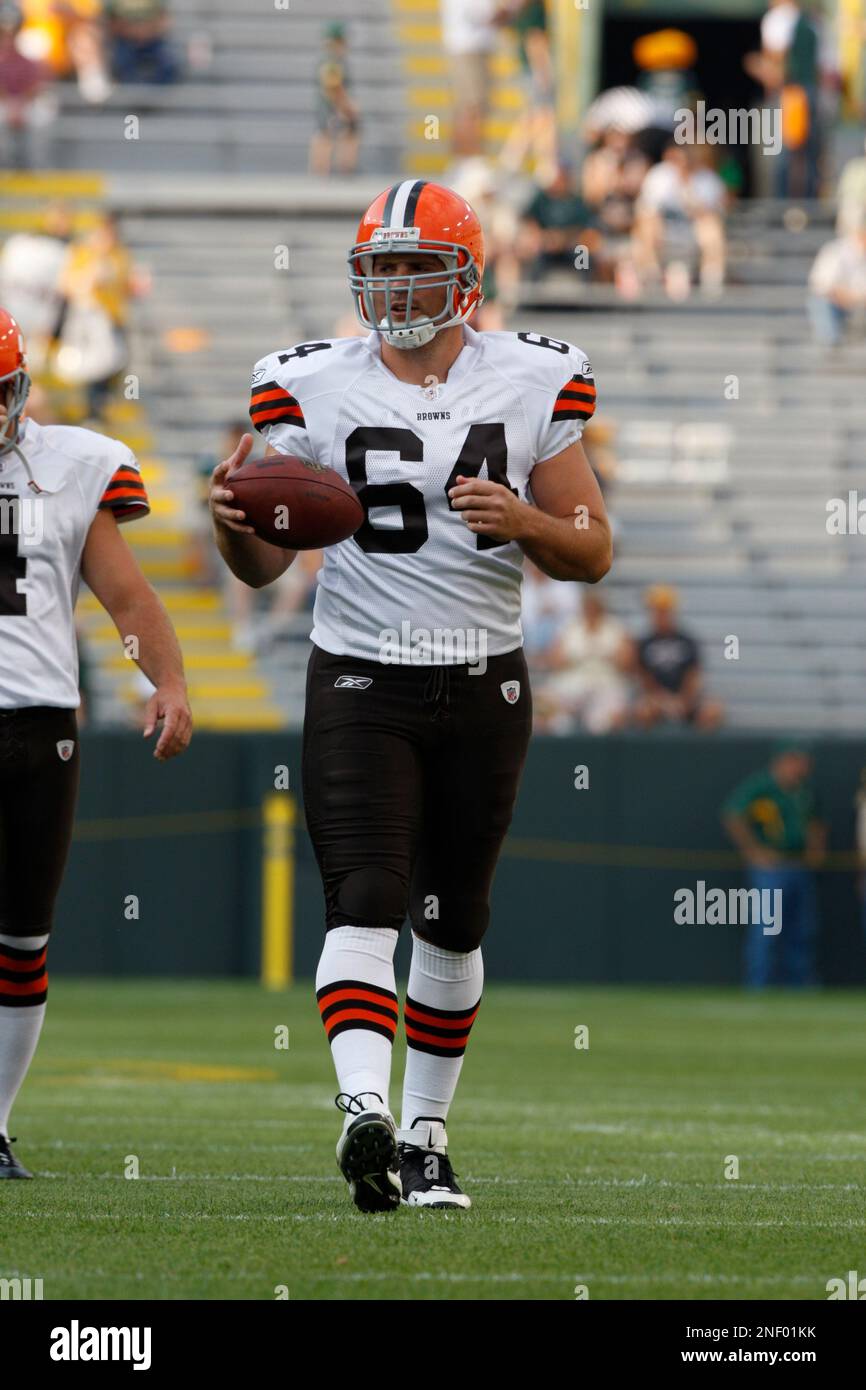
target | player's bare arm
x=111, y=571
x=249, y=558
x=566, y=533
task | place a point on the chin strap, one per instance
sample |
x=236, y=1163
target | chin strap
x=408, y=337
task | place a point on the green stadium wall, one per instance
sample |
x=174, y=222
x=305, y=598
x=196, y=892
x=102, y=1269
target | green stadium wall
x=584, y=891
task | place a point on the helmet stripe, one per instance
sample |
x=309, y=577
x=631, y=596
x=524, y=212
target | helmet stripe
x=389, y=204
x=412, y=203
x=402, y=201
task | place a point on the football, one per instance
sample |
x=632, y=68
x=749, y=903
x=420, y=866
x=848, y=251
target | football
x=294, y=504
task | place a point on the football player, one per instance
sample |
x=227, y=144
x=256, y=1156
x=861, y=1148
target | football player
x=464, y=449
x=62, y=493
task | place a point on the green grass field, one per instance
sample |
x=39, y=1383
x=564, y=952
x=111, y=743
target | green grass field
x=603, y=1167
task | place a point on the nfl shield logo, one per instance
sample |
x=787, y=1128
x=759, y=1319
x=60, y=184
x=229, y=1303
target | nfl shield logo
x=64, y=748
x=511, y=691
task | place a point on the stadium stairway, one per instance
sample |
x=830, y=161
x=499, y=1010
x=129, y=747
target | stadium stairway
x=429, y=96
x=227, y=687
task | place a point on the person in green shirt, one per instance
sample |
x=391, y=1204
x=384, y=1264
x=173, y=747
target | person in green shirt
x=773, y=819
x=555, y=222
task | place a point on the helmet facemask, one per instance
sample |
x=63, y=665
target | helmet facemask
x=457, y=273
x=14, y=390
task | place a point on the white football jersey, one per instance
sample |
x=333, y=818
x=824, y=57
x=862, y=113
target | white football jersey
x=414, y=584
x=42, y=534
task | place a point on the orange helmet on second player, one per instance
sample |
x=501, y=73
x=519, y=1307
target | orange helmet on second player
x=418, y=218
x=14, y=378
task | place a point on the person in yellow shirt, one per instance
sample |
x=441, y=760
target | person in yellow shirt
x=67, y=35
x=97, y=283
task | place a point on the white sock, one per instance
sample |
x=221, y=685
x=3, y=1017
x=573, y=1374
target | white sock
x=357, y=998
x=22, y=979
x=442, y=999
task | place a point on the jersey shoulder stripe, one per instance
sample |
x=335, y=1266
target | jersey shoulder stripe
x=272, y=404
x=576, y=400
x=125, y=495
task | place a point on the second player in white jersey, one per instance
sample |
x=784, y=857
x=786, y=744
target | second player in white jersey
x=413, y=580
x=51, y=488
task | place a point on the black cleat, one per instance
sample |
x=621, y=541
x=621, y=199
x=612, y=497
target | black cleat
x=9, y=1165
x=425, y=1168
x=367, y=1153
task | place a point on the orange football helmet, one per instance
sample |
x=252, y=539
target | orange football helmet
x=14, y=378
x=418, y=218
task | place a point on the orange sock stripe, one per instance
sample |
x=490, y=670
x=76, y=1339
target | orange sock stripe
x=416, y=1035
x=358, y=1016
x=417, y=1016
x=31, y=986
x=8, y=963
x=367, y=995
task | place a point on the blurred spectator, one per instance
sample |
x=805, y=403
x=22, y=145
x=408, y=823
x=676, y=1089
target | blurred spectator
x=590, y=688
x=837, y=285
x=851, y=197
x=679, y=221
x=141, y=46
x=597, y=440
x=666, y=59
x=336, y=139
x=476, y=182
x=554, y=224
x=773, y=819
x=23, y=82
x=31, y=265
x=548, y=607
x=788, y=69
x=647, y=121
x=668, y=669
x=67, y=35
x=612, y=173
x=293, y=593
x=797, y=167
x=534, y=132
x=469, y=37
x=98, y=280
x=611, y=177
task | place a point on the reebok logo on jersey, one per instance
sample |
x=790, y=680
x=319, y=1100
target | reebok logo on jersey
x=352, y=682
x=64, y=748
x=510, y=691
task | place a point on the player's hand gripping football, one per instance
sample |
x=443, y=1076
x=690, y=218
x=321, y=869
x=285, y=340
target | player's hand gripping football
x=488, y=508
x=221, y=496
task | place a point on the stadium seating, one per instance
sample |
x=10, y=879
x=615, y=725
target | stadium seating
x=249, y=107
